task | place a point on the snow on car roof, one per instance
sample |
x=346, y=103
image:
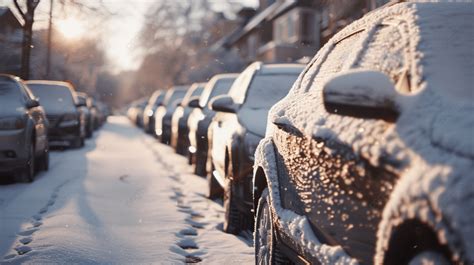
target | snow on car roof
x=50, y=82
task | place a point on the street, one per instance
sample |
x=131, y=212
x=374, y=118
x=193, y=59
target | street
x=122, y=199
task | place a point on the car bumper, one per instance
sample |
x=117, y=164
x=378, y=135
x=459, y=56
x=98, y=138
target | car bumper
x=60, y=135
x=13, y=149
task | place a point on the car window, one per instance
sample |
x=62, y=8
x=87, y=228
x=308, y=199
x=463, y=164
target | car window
x=221, y=86
x=10, y=95
x=239, y=87
x=174, y=96
x=386, y=52
x=265, y=90
x=54, y=98
x=334, y=61
x=154, y=99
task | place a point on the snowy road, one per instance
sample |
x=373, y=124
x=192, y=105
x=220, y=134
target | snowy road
x=122, y=199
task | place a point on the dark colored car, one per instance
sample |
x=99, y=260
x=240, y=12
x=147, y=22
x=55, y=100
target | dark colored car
x=23, y=130
x=66, y=122
x=149, y=113
x=164, y=113
x=370, y=157
x=237, y=128
x=179, y=121
x=87, y=112
x=200, y=119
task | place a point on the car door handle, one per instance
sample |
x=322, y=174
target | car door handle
x=288, y=128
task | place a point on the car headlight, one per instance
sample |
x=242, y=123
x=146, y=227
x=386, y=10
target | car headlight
x=12, y=123
x=149, y=113
x=251, y=142
x=69, y=120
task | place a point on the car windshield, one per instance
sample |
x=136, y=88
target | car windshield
x=10, y=95
x=156, y=98
x=54, y=98
x=266, y=90
x=221, y=87
x=176, y=94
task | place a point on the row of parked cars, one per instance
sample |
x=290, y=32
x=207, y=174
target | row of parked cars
x=365, y=155
x=37, y=114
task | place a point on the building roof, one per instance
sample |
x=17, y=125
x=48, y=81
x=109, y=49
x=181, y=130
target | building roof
x=268, y=14
x=7, y=13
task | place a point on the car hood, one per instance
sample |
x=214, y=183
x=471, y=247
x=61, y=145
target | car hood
x=254, y=120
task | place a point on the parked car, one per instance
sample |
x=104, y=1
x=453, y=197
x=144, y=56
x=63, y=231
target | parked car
x=179, y=120
x=165, y=111
x=200, y=118
x=370, y=156
x=135, y=112
x=95, y=116
x=66, y=122
x=24, y=145
x=237, y=128
x=87, y=111
x=148, y=114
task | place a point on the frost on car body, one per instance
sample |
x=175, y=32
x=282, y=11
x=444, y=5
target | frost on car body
x=386, y=173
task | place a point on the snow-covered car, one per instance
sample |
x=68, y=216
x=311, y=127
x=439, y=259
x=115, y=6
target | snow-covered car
x=23, y=130
x=236, y=130
x=179, y=121
x=148, y=113
x=164, y=112
x=66, y=122
x=200, y=119
x=84, y=108
x=369, y=158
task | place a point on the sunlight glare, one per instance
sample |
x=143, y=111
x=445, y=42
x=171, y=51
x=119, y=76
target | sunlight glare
x=70, y=28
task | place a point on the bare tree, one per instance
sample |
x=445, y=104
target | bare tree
x=28, y=18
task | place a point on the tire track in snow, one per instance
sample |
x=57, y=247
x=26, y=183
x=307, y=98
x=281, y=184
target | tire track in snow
x=35, y=223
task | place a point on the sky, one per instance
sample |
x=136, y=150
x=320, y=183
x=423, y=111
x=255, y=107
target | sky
x=119, y=32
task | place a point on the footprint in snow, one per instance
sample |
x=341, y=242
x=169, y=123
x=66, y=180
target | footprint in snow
x=190, y=259
x=21, y=250
x=187, y=243
x=28, y=232
x=26, y=240
x=188, y=232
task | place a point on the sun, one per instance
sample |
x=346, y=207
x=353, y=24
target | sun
x=70, y=28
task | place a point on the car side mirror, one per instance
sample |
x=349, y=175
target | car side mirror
x=194, y=102
x=81, y=102
x=362, y=94
x=32, y=103
x=224, y=103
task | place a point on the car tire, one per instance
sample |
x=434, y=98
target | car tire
x=266, y=246
x=27, y=174
x=77, y=143
x=429, y=257
x=214, y=190
x=234, y=221
x=43, y=161
x=200, y=164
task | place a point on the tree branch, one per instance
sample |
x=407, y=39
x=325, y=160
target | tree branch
x=18, y=8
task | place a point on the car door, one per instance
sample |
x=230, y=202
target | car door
x=38, y=117
x=337, y=188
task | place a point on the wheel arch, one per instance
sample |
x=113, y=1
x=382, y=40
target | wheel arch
x=411, y=238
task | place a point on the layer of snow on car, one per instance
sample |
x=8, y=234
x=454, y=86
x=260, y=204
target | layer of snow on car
x=432, y=139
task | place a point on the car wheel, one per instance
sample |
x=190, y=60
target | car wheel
x=43, y=161
x=214, y=188
x=234, y=219
x=429, y=258
x=27, y=174
x=266, y=246
x=200, y=164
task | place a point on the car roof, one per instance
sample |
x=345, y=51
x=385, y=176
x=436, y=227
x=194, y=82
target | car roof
x=50, y=82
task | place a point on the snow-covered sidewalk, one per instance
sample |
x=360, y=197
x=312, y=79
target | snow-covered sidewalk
x=123, y=199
